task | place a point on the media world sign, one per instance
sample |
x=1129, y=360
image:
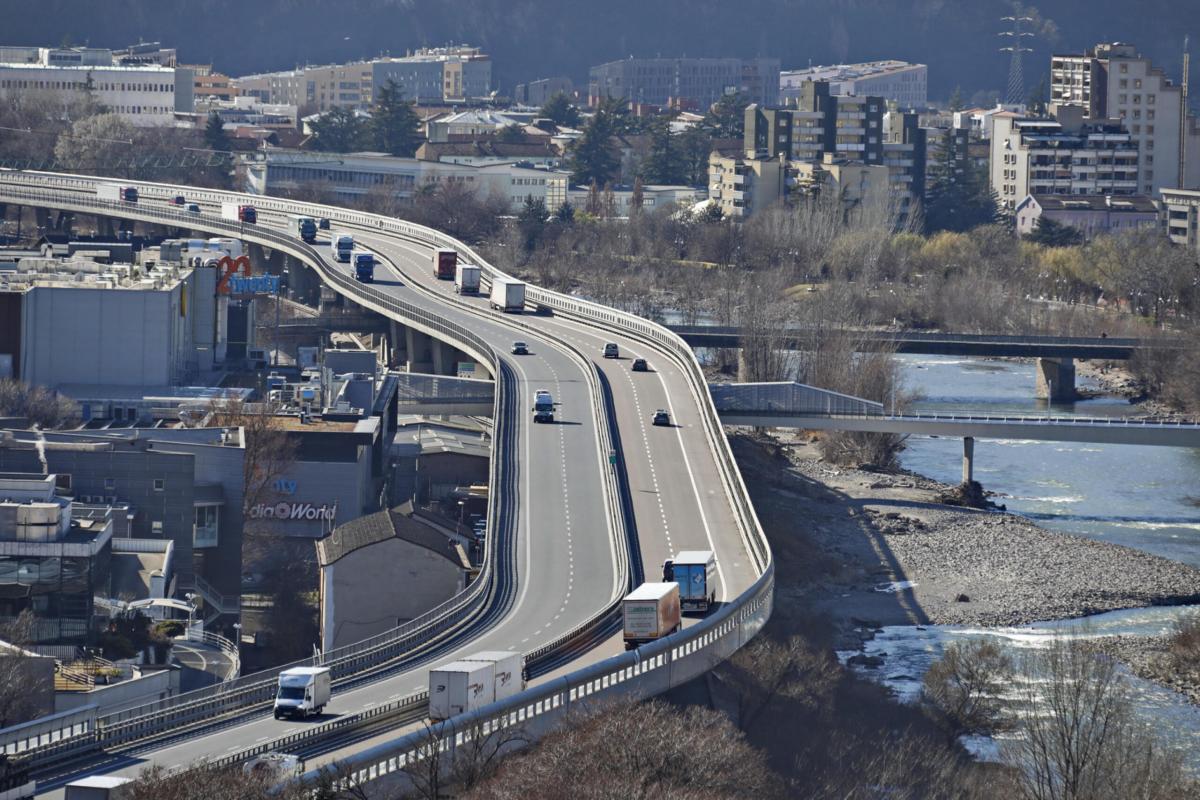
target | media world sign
x=297, y=511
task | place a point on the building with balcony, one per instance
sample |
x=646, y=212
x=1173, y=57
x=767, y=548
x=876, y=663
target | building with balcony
x=1180, y=216
x=1068, y=155
x=897, y=82
x=741, y=184
x=1115, y=81
x=685, y=82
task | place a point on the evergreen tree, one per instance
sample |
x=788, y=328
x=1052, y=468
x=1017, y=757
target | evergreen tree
x=664, y=164
x=593, y=158
x=565, y=213
x=956, y=99
x=726, y=119
x=532, y=222
x=1039, y=98
x=511, y=134
x=559, y=109
x=695, y=148
x=338, y=131
x=215, y=137
x=960, y=196
x=636, y=197
x=395, y=126
x=1050, y=233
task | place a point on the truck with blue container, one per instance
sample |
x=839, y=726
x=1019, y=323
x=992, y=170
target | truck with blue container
x=696, y=573
x=364, y=266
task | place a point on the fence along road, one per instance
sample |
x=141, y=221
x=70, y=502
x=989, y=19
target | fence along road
x=692, y=457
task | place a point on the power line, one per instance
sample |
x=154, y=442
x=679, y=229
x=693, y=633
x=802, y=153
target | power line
x=1016, y=74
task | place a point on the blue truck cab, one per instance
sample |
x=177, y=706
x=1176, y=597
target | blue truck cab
x=696, y=573
x=364, y=266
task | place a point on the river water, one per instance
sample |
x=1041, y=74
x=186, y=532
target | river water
x=1142, y=497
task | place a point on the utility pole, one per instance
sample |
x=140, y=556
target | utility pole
x=1183, y=118
x=1016, y=75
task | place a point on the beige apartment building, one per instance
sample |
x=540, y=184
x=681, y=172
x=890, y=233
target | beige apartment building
x=1114, y=81
x=1180, y=216
x=1064, y=156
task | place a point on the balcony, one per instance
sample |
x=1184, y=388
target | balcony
x=738, y=179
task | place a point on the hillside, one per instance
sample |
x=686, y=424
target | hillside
x=536, y=38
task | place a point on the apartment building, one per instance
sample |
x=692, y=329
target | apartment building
x=1068, y=155
x=1180, y=216
x=897, y=82
x=1114, y=81
x=740, y=184
x=1091, y=215
x=144, y=94
x=433, y=75
x=695, y=82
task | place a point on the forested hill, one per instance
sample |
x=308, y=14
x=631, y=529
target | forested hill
x=537, y=38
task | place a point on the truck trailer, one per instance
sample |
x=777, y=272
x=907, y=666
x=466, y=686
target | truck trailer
x=444, y=263
x=116, y=193
x=303, y=227
x=364, y=266
x=508, y=674
x=459, y=687
x=466, y=279
x=650, y=612
x=98, y=787
x=508, y=295
x=341, y=246
x=696, y=573
x=239, y=212
x=302, y=691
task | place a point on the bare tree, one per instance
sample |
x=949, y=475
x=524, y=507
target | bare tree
x=20, y=698
x=1077, y=737
x=766, y=672
x=963, y=687
x=41, y=406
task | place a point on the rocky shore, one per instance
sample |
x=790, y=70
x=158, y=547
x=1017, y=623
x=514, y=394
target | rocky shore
x=868, y=549
x=1150, y=657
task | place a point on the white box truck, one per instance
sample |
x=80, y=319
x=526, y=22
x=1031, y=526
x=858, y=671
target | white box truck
x=98, y=787
x=239, y=212
x=459, y=687
x=509, y=674
x=116, y=193
x=508, y=295
x=696, y=573
x=466, y=279
x=302, y=691
x=341, y=245
x=651, y=612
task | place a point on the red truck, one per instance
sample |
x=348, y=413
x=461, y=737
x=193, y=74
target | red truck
x=444, y=263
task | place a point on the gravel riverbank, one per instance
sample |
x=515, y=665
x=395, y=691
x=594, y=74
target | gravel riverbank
x=868, y=549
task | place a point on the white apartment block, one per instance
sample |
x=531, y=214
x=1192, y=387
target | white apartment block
x=143, y=94
x=1067, y=157
x=1113, y=81
x=1180, y=216
x=353, y=175
x=896, y=81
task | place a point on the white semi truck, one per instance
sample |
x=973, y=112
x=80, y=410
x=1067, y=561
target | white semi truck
x=341, y=246
x=466, y=279
x=459, y=687
x=508, y=295
x=303, y=691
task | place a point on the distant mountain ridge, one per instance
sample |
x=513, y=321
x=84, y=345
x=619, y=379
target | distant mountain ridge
x=530, y=39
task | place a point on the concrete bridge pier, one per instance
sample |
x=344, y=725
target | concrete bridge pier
x=419, y=350
x=1056, y=379
x=968, y=459
x=397, y=344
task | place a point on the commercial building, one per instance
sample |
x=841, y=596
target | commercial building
x=540, y=153
x=353, y=175
x=384, y=569
x=1180, y=214
x=79, y=321
x=54, y=557
x=432, y=75
x=1114, y=81
x=536, y=93
x=1069, y=155
x=685, y=82
x=1091, y=215
x=180, y=485
x=144, y=94
x=897, y=82
x=467, y=124
x=619, y=201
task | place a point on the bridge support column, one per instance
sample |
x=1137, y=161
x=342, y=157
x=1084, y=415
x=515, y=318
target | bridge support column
x=419, y=348
x=968, y=459
x=398, y=341
x=42, y=215
x=443, y=358
x=1056, y=379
